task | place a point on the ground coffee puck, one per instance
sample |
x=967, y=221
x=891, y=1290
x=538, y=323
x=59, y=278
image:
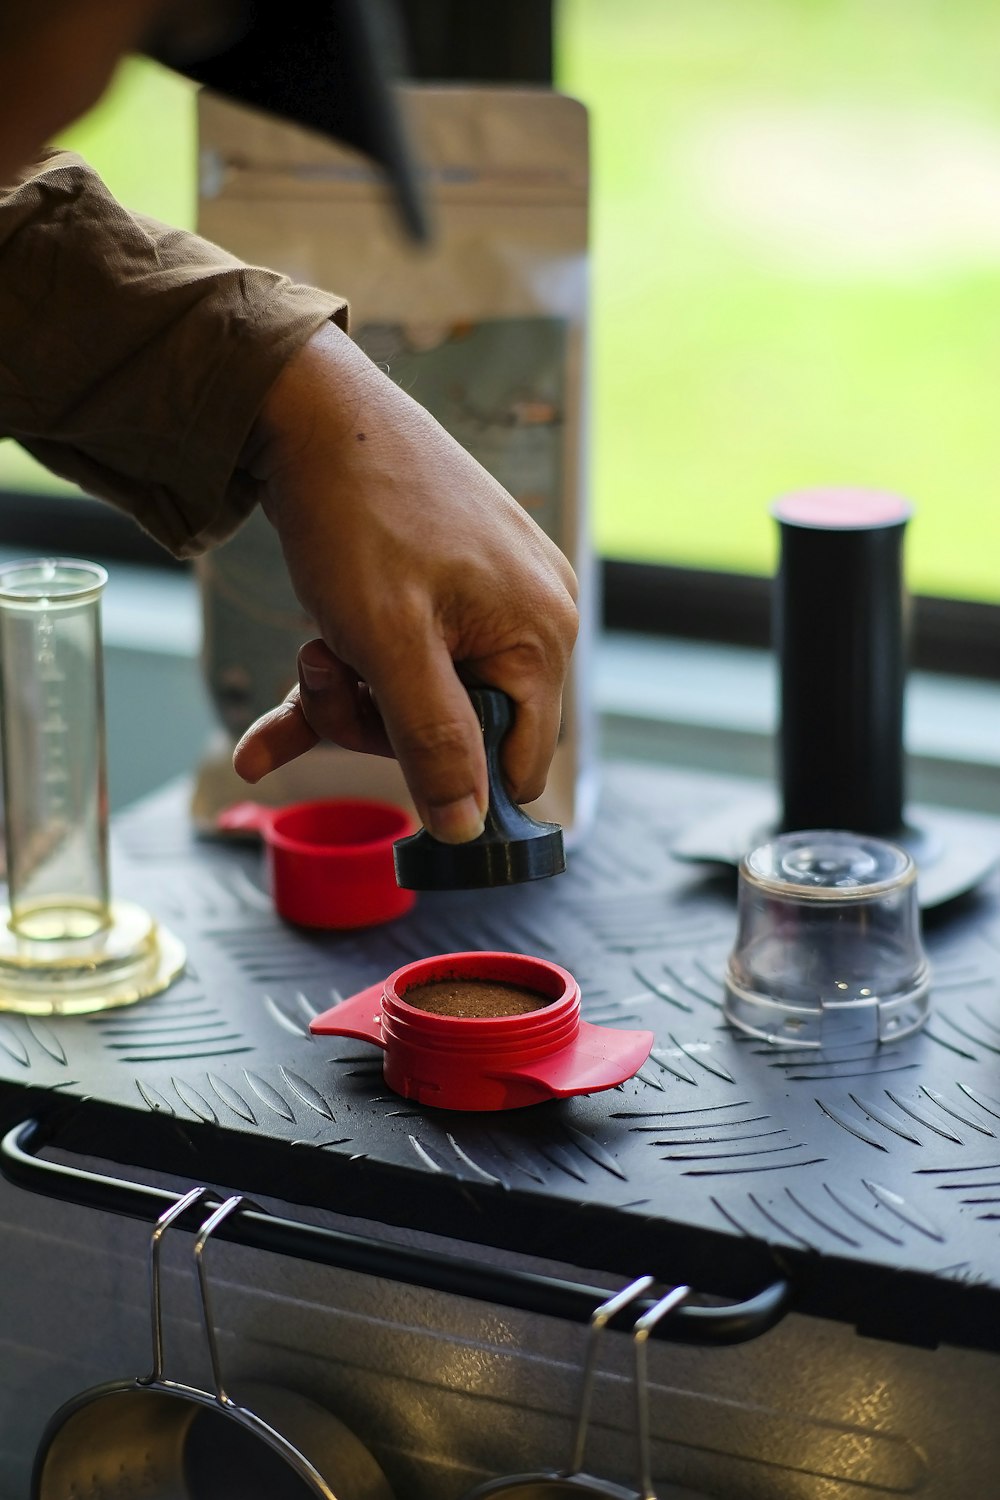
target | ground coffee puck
x=474, y=998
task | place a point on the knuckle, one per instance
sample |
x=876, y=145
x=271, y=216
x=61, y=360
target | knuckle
x=433, y=742
x=554, y=617
x=327, y=721
x=570, y=582
x=544, y=647
x=567, y=620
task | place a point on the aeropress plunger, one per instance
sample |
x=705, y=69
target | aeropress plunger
x=840, y=635
x=513, y=847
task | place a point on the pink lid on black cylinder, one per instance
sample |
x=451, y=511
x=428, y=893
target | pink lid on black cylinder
x=843, y=509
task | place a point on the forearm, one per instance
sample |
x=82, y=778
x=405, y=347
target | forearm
x=134, y=358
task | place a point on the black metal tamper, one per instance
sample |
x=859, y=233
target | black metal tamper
x=513, y=846
x=840, y=628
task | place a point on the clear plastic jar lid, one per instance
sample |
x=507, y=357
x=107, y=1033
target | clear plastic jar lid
x=828, y=945
x=825, y=864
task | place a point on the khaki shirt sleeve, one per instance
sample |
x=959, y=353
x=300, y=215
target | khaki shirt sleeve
x=134, y=357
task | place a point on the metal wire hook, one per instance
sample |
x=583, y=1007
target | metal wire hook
x=599, y=1320
x=640, y=1339
x=641, y=1331
x=163, y=1223
x=211, y=1224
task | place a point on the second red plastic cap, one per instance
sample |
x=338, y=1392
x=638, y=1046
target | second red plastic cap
x=330, y=862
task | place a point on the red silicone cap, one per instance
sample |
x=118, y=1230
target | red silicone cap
x=488, y=1063
x=330, y=862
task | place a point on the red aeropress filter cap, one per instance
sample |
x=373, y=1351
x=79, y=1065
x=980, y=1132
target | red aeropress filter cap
x=329, y=862
x=486, y=1031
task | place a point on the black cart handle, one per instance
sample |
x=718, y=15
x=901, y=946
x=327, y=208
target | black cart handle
x=527, y=1291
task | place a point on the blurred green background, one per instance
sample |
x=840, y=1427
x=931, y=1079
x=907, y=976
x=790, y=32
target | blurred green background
x=796, y=232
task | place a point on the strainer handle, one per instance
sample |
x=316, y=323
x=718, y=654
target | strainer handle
x=164, y=1222
x=205, y=1233
x=169, y=1217
x=599, y=1320
x=640, y=1338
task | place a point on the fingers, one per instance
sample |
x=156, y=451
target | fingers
x=277, y=737
x=530, y=743
x=338, y=706
x=329, y=703
x=533, y=675
x=424, y=718
x=436, y=738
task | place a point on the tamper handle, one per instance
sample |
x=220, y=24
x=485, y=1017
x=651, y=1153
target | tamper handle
x=513, y=846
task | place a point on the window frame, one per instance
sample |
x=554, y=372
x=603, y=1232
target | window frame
x=447, y=40
x=954, y=636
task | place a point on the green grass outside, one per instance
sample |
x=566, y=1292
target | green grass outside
x=722, y=375
x=726, y=370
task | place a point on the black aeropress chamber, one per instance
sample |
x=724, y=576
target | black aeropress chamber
x=840, y=617
x=840, y=628
x=513, y=846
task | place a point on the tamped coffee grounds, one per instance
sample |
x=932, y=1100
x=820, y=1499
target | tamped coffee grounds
x=474, y=998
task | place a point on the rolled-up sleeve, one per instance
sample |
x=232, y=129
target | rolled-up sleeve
x=134, y=357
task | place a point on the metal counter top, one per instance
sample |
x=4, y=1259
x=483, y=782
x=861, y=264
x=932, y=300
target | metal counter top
x=868, y=1175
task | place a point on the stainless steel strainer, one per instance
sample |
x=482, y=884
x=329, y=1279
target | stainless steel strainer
x=572, y=1480
x=152, y=1438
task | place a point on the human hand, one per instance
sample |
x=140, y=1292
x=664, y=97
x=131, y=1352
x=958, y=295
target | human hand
x=421, y=573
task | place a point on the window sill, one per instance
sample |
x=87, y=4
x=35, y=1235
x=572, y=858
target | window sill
x=658, y=699
x=715, y=707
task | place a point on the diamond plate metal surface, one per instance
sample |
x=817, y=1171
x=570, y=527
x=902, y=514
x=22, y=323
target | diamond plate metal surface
x=870, y=1175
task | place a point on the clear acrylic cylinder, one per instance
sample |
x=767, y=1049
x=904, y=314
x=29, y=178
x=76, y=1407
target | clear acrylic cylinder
x=52, y=718
x=65, y=945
